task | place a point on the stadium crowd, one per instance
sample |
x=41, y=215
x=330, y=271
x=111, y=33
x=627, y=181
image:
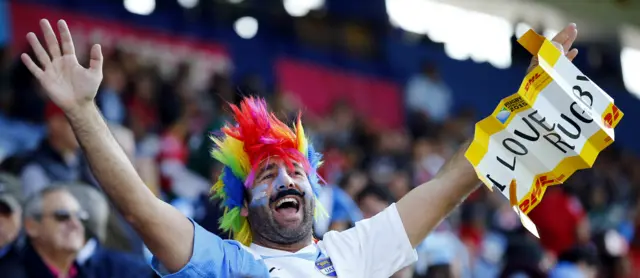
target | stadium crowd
x=54, y=219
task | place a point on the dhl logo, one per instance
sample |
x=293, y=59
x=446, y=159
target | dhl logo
x=531, y=81
x=612, y=116
x=533, y=198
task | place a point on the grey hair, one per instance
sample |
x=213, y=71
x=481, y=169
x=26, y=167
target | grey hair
x=33, y=204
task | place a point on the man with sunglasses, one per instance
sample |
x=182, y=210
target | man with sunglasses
x=55, y=234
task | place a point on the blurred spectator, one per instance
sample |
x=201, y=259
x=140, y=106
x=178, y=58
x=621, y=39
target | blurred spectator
x=561, y=221
x=110, y=95
x=339, y=127
x=353, y=183
x=219, y=91
x=200, y=160
x=147, y=168
x=443, y=248
x=488, y=260
x=342, y=211
x=97, y=207
x=28, y=101
x=57, y=159
x=94, y=257
x=428, y=94
x=428, y=157
x=55, y=234
x=388, y=156
x=10, y=225
x=142, y=104
x=400, y=184
x=334, y=163
x=372, y=200
x=577, y=262
x=177, y=179
x=17, y=136
x=612, y=255
x=523, y=258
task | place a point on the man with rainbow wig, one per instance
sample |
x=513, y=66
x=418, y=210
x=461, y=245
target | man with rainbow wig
x=268, y=187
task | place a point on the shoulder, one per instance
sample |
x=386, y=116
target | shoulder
x=215, y=257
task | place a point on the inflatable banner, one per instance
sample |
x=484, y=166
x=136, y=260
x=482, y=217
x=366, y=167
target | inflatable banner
x=557, y=123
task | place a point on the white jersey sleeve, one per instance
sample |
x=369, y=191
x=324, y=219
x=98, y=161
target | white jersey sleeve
x=375, y=247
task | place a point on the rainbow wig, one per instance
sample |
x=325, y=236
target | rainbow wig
x=257, y=136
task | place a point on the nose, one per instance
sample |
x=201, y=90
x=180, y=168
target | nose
x=286, y=186
x=284, y=181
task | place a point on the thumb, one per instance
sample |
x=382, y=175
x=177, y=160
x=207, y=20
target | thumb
x=96, y=58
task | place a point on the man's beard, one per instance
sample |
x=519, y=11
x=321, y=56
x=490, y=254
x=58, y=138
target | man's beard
x=264, y=225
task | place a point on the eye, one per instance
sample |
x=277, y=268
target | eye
x=299, y=173
x=267, y=176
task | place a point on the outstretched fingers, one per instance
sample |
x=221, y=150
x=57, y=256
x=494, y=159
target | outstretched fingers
x=65, y=36
x=33, y=68
x=38, y=50
x=50, y=39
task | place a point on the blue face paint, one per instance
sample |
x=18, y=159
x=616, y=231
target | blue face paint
x=260, y=196
x=262, y=193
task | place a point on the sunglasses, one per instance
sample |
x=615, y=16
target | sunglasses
x=65, y=215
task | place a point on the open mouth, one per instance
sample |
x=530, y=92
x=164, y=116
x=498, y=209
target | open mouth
x=287, y=203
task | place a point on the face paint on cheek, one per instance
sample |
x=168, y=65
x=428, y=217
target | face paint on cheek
x=305, y=186
x=259, y=194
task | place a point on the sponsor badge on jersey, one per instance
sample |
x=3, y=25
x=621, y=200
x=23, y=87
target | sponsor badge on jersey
x=325, y=267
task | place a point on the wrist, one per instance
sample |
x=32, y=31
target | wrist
x=458, y=168
x=81, y=111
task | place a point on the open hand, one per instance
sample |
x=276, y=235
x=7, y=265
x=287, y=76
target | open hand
x=563, y=41
x=66, y=82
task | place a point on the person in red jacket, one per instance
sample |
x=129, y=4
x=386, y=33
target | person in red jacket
x=561, y=221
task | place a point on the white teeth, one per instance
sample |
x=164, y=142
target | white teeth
x=288, y=199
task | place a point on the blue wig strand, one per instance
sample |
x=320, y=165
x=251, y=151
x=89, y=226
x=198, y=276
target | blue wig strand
x=314, y=161
x=234, y=189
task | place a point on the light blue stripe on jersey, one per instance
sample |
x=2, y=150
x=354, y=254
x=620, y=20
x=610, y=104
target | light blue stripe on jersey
x=214, y=257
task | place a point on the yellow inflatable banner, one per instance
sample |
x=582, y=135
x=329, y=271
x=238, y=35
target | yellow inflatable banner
x=557, y=123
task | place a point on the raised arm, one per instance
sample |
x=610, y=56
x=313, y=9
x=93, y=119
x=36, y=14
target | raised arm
x=166, y=232
x=424, y=207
